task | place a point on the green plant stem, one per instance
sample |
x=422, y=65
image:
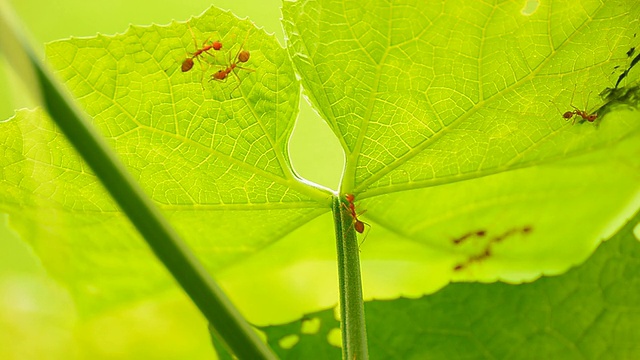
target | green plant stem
x=354, y=332
x=161, y=237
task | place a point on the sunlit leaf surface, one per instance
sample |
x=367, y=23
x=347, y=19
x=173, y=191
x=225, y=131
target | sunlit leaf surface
x=451, y=117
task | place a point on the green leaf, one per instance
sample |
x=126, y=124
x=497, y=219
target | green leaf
x=215, y=158
x=447, y=114
x=589, y=312
x=427, y=95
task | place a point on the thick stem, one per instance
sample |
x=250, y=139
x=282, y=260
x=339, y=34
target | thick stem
x=354, y=332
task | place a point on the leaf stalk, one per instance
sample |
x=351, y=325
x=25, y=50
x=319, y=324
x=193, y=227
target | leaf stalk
x=354, y=332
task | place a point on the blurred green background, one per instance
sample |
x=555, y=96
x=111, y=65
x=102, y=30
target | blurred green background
x=37, y=316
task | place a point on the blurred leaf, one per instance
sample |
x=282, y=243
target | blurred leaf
x=33, y=306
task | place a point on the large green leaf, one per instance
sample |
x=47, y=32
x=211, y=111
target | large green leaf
x=423, y=97
x=213, y=155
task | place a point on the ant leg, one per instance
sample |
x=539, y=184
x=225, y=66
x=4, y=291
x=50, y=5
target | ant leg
x=202, y=67
x=586, y=106
x=576, y=114
x=193, y=36
x=239, y=81
x=575, y=86
x=242, y=45
x=224, y=79
x=566, y=115
x=365, y=234
x=245, y=69
x=238, y=77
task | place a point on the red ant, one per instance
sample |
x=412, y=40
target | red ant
x=358, y=225
x=525, y=230
x=590, y=117
x=242, y=56
x=187, y=64
x=478, y=233
x=585, y=115
x=476, y=258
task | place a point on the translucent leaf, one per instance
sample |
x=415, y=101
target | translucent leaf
x=427, y=95
x=213, y=155
x=451, y=116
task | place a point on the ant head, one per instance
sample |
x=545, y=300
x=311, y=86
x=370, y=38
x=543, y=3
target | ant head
x=350, y=197
x=217, y=45
x=592, y=117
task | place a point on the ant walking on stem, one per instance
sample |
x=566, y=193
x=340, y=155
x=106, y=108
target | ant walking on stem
x=242, y=56
x=358, y=224
x=585, y=115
